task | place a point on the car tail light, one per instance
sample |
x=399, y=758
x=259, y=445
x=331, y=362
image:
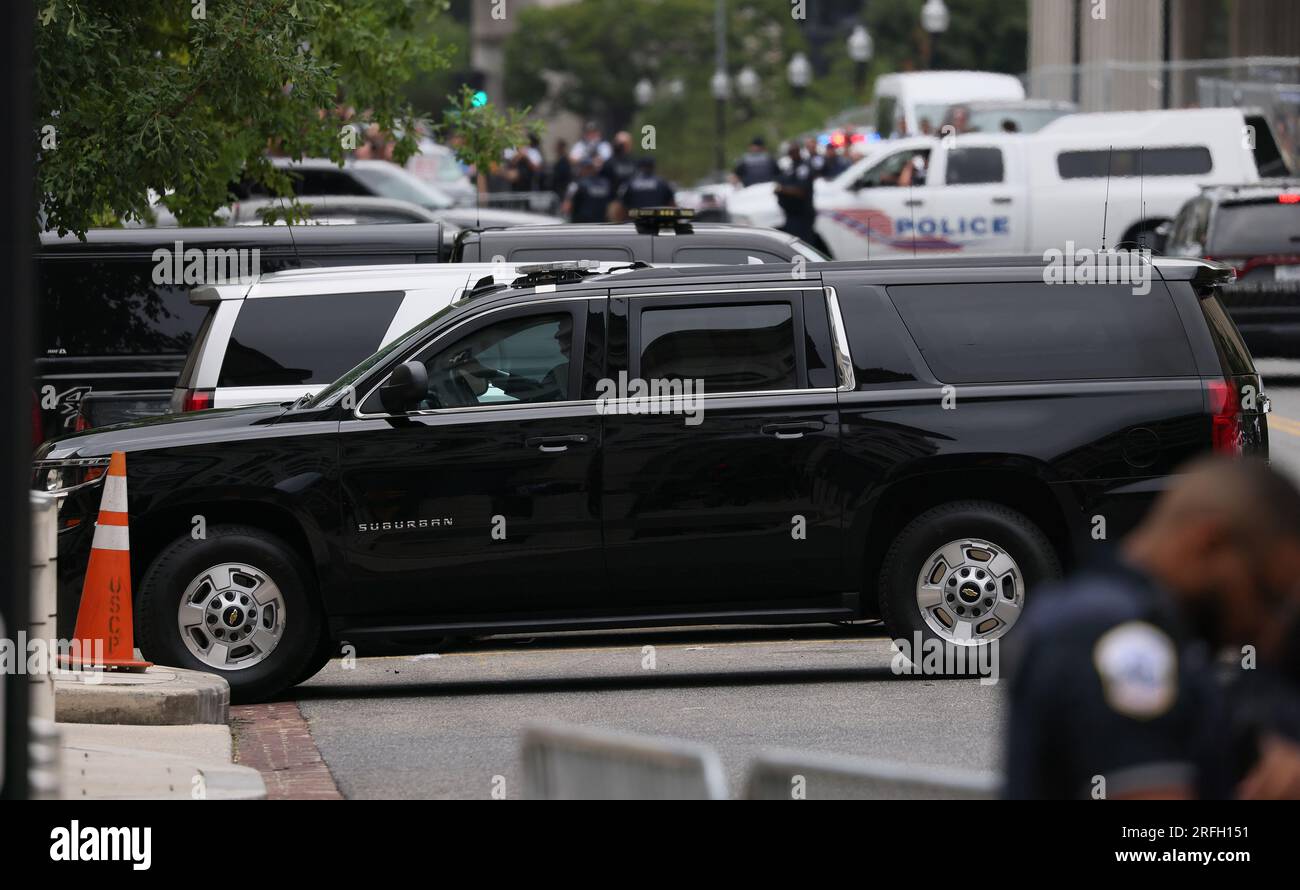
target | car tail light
x=197, y=400
x=1225, y=418
x=1288, y=198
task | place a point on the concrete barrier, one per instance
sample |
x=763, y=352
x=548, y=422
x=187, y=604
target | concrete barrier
x=790, y=775
x=563, y=762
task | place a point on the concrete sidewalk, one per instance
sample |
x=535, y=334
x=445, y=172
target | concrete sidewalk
x=104, y=761
x=158, y=734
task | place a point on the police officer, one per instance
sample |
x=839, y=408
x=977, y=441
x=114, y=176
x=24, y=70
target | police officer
x=1115, y=692
x=756, y=164
x=794, y=194
x=588, y=197
x=645, y=189
x=621, y=165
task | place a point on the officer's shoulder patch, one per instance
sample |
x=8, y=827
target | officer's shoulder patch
x=1138, y=667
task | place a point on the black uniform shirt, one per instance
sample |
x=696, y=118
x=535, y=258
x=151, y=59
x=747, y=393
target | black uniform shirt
x=590, y=196
x=646, y=190
x=755, y=167
x=1107, y=684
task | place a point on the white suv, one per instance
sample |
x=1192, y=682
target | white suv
x=290, y=333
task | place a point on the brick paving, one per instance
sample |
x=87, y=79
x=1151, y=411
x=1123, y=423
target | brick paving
x=273, y=738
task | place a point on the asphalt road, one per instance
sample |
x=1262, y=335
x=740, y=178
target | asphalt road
x=446, y=726
x=1282, y=385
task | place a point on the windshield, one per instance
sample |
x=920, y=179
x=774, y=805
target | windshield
x=1026, y=120
x=400, y=185
x=351, y=377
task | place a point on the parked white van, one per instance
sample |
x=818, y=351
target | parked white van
x=1009, y=193
x=913, y=96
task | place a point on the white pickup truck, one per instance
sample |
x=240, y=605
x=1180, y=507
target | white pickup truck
x=1010, y=193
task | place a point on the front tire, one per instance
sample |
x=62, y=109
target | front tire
x=236, y=604
x=959, y=573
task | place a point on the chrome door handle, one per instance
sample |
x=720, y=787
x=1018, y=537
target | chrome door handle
x=555, y=444
x=792, y=430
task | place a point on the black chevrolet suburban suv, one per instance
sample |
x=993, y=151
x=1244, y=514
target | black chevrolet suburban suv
x=922, y=441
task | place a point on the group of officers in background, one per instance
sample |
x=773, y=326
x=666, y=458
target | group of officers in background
x=599, y=180
x=595, y=180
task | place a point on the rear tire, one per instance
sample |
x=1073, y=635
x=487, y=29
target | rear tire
x=976, y=557
x=236, y=604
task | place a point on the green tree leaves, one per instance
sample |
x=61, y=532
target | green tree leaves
x=182, y=98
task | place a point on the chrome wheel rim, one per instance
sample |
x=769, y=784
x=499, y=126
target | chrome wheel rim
x=231, y=616
x=970, y=591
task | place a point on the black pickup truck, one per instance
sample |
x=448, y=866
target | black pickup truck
x=919, y=441
x=114, y=317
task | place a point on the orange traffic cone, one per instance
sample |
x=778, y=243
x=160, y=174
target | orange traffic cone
x=104, y=617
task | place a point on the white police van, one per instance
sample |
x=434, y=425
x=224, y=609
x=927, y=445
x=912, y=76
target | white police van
x=1007, y=193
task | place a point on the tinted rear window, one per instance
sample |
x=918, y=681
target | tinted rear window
x=1255, y=228
x=1190, y=160
x=90, y=306
x=985, y=333
x=1232, y=350
x=288, y=341
x=732, y=348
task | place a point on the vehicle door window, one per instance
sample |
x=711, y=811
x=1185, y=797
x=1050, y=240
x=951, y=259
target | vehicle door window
x=520, y=359
x=732, y=347
x=974, y=166
x=902, y=168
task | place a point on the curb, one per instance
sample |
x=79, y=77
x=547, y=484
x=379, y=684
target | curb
x=96, y=772
x=160, y=696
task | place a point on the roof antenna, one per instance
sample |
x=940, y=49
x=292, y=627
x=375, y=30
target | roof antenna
x=1142, y=203
x=1105, y=207
x=288, y=221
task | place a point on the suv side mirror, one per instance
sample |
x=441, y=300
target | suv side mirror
x=405, y=387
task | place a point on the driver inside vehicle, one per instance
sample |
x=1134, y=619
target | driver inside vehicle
x=518, y=360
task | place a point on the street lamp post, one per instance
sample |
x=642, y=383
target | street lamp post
x=720, y=86
x=860, y=52
x=934, y=19
x=799, y=72
x=644, y=92
x=748, y=83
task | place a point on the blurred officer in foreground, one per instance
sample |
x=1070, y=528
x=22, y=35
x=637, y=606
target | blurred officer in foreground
x=794, y=193
x=589, y=195
x=756, y=165
x=644, y=189
x=1115, y=692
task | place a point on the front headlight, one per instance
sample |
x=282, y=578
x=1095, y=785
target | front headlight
x=62, y=476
